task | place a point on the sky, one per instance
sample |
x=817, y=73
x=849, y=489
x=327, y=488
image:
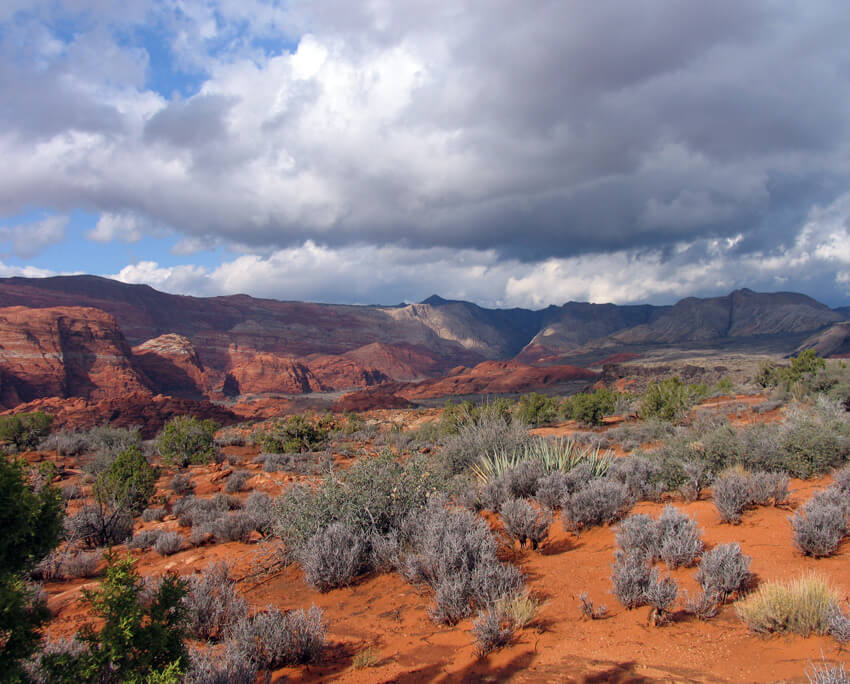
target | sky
x=379, y=151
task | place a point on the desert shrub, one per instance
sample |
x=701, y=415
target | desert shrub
x=455, y=417
x=236, y=526
x=230, y=667
x=332, y=557
x=24, y=431
x=185, y=439
x=588, y=609
x=630, y=577
x=168, y=543
x=669, y=399
x=272, y=639
x=838, y=624
x=139, y=640
x=731, y=495
x=105, y=443
x=519, y=608
x=65, y=443
x=767, y=488
x=827, y=674
x=49, y=567
x=811, y=446
x=536, y=409
x=373, y=495
x=679, y=538
x=522, y=480
x=590, y=408
x=72, y=491
x=486, y=436
x=799, y=607
x=144, y=540
x=841, y=479
x=637, y=536
x=454, y=552
x=820, y=525
x=97, y=525
x=127, y=483
x=82, y=564
x=551, y=489
x=69, y=650
x=639, y=474
x=295, y=434
x=525, y=523
x=191, y=511
x=660, y=593
x=303, y=463
x=651, y=429
x=704, y=605
x=181, y=483
x=805, y=365
x=601, y=501
x=492, y=631
x=260, y=508
x=724, y=570
x=237, y=482
x=674, y=538
x=156, y=513
x=213, y=605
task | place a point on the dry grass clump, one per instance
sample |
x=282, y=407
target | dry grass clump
x=801, y=606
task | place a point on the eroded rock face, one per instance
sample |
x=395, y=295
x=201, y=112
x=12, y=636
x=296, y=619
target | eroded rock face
x=495, y=377
x=172, y=365
x=64, y=352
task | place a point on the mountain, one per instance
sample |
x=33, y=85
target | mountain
x=97, y=339
x=742, y=313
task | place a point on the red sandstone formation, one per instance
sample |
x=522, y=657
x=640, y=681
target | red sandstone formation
x=64, y=352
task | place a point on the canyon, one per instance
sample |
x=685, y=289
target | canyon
x=107, y=345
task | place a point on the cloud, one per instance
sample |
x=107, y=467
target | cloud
x=819, y=260
x=29, y=239
x=123, y=227
x=549, y=140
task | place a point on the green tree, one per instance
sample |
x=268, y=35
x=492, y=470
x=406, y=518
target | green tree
x=591, y=407
x=536, y=409
x=185, y=440
x=31, y=524
x=128, y=483
x=139, y=641
x=24, y=431
x=669, y=398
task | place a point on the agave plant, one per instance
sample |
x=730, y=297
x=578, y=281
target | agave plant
x=553, y=454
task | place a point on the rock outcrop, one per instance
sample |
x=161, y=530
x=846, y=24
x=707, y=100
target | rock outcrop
x=64, y=352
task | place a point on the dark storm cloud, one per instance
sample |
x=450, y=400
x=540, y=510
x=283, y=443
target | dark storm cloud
x=531, y=130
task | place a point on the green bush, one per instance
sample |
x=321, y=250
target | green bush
x=803, y=368
x=590, y=408
x=128, y=483
x=810, y=447
x=185, y=440
x=536, y=409
x=670, y=398
x=31, y=523
x=139, y=640
x=294, y=435
x=24, y=431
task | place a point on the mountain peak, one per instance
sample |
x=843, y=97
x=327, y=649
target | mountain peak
x=435, y=300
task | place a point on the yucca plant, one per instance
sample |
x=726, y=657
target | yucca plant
x=553, y=454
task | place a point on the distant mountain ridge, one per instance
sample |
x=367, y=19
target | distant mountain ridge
x=215, y=347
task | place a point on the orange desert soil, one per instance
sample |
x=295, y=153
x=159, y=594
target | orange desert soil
x=387, y=614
